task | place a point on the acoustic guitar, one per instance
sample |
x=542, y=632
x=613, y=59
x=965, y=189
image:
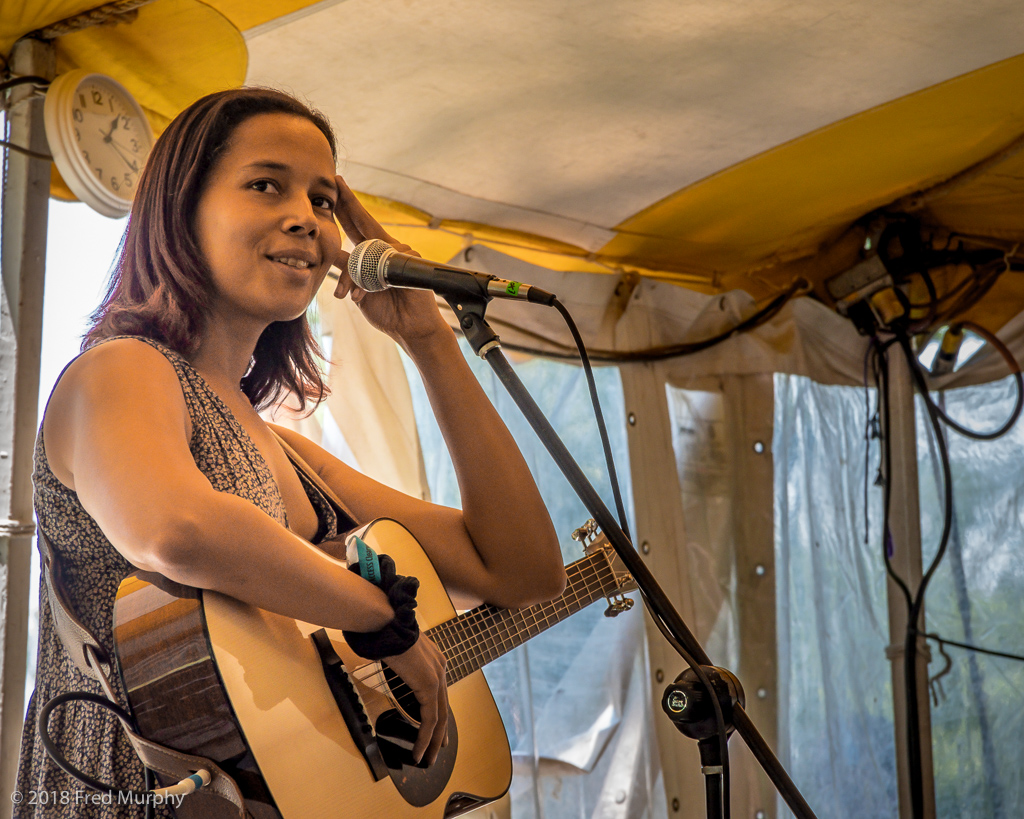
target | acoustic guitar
x=305, y=726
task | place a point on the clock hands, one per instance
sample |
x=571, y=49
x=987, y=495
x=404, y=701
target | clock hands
x=119, y=149
x=108, y=137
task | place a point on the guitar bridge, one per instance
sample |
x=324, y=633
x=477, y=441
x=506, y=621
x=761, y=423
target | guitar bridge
x=593, y=542
x=349, y=704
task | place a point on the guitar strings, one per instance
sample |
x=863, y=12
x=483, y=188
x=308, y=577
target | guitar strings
x=484, y=623
x=479, y=624
x=471, y=632
x=483, y=642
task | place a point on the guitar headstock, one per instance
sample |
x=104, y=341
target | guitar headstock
x=594, y=541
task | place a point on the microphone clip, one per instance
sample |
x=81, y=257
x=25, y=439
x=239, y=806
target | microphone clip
x=469, y=309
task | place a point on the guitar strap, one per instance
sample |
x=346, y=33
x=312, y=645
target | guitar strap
x=92, y=660
x=297, y=460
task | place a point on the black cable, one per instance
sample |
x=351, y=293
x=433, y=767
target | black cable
x=55, y=754
x=881, y=365
x=602, y=429
x=671, y=619
x=867, y=437
x=915, y=600
x=882, y=379
x=933, y=299
x=25, y=79
x=943, y=641
x=27, y=151
x=762, y=316
x=601, y=426
x=1015, y=370
x=723, y=736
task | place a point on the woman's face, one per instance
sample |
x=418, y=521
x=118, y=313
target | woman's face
x=265, y=220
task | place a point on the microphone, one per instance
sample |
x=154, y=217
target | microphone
x=375, y=265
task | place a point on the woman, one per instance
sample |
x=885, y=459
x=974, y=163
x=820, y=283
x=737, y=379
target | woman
x=151, y=453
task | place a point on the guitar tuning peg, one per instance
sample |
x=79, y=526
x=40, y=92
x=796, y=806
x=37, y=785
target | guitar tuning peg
x=585, y=532
x=618, y=604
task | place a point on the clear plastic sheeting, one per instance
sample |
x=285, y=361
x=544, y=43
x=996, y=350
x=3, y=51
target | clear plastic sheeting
x=836, y=717
x=575, y=700
x=835, y=693
x=975, y=597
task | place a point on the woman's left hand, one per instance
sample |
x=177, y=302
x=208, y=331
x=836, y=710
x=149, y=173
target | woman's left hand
x=408, y=316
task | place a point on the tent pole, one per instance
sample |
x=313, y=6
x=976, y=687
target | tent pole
x=25, y=204
x=905, y=526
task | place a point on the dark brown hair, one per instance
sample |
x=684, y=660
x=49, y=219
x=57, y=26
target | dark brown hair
x=160, y=286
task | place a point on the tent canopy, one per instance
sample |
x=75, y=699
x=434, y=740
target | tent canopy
x=716, y=145
x=722, y=145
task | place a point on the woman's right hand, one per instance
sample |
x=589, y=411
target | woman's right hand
x=422, y=668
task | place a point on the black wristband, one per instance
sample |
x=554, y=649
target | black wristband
x=403, y=631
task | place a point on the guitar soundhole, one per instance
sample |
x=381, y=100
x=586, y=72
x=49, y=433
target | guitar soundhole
x=419, y=784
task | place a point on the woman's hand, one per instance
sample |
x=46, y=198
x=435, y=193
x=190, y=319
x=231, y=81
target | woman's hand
x=408, y=316
x=422, y=668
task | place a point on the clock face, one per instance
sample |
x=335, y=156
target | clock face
x=113, y=139
x=100, y=139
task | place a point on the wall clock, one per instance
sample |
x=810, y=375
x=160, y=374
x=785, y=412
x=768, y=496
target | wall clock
x=99, y=138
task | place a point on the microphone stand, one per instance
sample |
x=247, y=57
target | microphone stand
x=689, y=700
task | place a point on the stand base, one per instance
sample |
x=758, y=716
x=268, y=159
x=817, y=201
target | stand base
x=691, y=708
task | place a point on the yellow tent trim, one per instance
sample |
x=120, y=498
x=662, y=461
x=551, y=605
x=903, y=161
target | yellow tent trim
x=246, y=14
x=19, y=17
x=442, y=239
x=169, y=54
x=765, y=221
x=756, y=225
x=186, y=40
x=789, y=201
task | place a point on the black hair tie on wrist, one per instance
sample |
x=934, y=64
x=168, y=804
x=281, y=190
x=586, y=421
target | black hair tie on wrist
x=403, y=631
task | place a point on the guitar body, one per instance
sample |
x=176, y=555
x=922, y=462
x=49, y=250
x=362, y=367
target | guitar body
x=212, y=676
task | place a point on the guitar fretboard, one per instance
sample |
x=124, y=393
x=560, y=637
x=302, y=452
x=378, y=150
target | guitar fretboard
x=483, y=634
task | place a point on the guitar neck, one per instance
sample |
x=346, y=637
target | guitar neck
x=483, y=634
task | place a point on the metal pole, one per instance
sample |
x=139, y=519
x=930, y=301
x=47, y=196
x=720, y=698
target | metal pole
x=905, y=525
x=25, y=205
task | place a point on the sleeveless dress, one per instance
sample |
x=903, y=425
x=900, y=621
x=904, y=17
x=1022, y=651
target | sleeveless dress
x=91, y=738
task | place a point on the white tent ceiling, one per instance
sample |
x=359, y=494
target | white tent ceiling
x=565, y=118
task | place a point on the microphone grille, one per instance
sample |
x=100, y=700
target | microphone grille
x=366, y=264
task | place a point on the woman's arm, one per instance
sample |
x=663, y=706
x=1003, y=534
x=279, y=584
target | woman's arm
x=117, y=432
x=501, y=547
